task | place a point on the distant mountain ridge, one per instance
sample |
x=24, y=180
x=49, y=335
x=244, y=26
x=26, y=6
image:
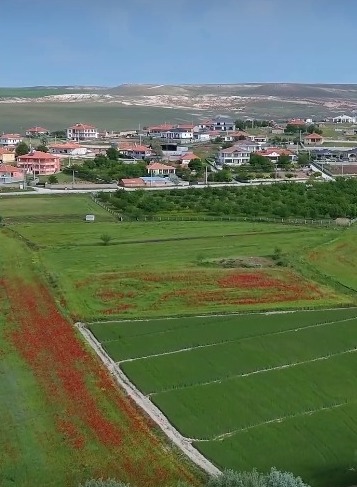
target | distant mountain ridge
x=262, y=100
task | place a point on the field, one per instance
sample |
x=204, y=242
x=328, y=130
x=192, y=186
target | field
x=287, y=379
x=237, y=384
x=58, y=116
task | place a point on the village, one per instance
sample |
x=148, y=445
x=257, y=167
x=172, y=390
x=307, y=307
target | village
x=216, y=151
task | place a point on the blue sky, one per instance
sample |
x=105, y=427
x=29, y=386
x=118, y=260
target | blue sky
x=110, y=42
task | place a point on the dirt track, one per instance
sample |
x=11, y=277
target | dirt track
x=150, y=409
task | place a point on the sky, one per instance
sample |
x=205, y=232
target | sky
x=111, y=42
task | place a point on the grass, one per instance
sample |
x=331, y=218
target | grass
x=53, y=260
x=20, y=116
x=167, y=265
x=282, y=377
x=63, y=418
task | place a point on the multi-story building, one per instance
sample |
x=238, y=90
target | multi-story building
x=81, y=131
x=39, y=163
x=36, y=132
x=10, y=139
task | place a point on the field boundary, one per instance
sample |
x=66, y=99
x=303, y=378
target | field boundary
x=218, y=315
x=224, y=342
x=255, y=372
x=223, y=436
x=184, y=444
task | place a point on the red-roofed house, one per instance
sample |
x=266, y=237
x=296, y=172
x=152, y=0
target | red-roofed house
x=36, y=132
x=10, y=174
x=136, y=151
x=158, y=169
x=156, y=130
x=6, y=156
x=313, y=139
x=297, y=122
x=38, y=162
x=10, y=139
x=68, y=148
x=187, y=157
x=81, y=131
x=274, y=153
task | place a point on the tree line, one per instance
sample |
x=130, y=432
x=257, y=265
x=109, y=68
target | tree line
x=318, y=200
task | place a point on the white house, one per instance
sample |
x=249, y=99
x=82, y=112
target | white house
x=68, y=148
x=233, y=156
x=81, y=131
x=344, y=119
x=158, y=169
x=10, y=139
x=219, y=124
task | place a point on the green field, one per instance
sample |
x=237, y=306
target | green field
x=239, y=382
x=250, y=390
x=58, y=116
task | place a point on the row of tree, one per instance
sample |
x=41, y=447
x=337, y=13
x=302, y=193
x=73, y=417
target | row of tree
x=227, y=478
x=318, y=200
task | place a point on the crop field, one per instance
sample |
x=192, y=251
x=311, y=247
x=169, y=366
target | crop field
x=236, y=384
x=58, y=116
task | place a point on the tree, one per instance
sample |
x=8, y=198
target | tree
x=21, y=149
x=156, y=147
x=284, y=161
x=274, y=478
x=53, y=179
x=112, y=154
x=105, y=238
x=303, y=159
x=42, y=148
x=61, y=134
x=196, y=165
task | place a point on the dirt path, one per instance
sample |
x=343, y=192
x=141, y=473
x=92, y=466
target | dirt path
x=185, y=444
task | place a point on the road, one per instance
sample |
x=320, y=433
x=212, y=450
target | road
x=43, y=191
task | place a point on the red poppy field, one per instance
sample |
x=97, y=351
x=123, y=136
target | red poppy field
x=131, y=294
x=68, y=421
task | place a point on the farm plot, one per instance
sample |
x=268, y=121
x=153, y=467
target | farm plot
x=233, y=383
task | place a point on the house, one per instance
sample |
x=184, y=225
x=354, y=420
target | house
x=344, y=119
x=10, y=174
x=178, y=133
x=38, y=162
x=187, y=157
x=156, y=130
x=136, y=151
x=67, y=148
x=298, y=122
x=220, y=124
x=10, y=139
x=259, y=139
x=234, y=156
x=81, y=131
x=273, y=153
x=36, y=132
x=158, y=169
x=7, y=156
x=313, y=139
x=277, y=130
x=235, y=136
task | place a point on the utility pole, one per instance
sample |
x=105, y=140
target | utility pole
x=72, y=178
x=206, y=178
